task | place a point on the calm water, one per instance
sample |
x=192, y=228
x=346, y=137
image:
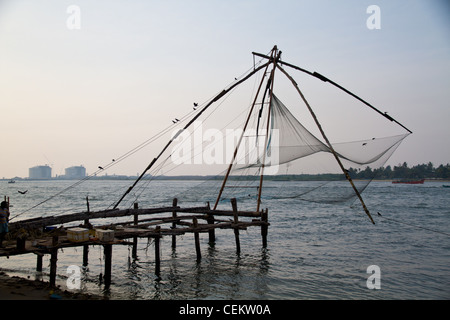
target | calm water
x=314, y=251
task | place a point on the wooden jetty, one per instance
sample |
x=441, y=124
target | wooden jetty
x=35, y=236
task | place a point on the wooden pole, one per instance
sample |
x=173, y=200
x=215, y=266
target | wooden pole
x=86, y=247
x=86, y=221
x=135, y=239
x=329, y=144
x=236, y=221
x=107, y=249
x=157, y=251
x=240, y=138
x=197, y=240
x=212, y=232
x=85, y=255
x=272, y=77
x=53, y=261
x=199, y=113
x=174, y=224
x=39, y=262
x=264, y=227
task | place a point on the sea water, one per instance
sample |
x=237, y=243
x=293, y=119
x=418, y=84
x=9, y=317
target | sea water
x=314, y=251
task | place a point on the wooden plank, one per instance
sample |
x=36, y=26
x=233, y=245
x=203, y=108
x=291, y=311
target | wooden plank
x=79, y=216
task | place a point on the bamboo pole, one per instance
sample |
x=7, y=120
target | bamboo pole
x=329, y=144
x=325, y=79
x=272, y=77
x=240, y=138
x=218, y=97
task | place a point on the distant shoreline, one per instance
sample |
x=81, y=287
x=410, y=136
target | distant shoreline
x=300, y=177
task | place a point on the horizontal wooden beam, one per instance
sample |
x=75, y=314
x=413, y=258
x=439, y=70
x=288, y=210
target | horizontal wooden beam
x=36, y=223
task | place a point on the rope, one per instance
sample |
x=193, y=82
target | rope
x=415, y=226
x=134, y=150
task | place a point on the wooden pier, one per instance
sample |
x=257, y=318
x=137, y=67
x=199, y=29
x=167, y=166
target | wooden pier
x=35, y=236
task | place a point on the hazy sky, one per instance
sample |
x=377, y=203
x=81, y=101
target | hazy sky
x=71, y=96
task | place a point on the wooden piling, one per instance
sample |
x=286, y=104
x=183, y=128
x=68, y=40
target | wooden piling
x=87, y=225
x=135, y=239
x=212, y=233
x=20, y=243
x=86, y=221
x=157, y=251
x=39, y=262
x=236, y=221
x=85, y=255
x=264, y=226
x=174, y=224
x=197, y=239
x=107, y=249
x=53, y=261
x=177, y=224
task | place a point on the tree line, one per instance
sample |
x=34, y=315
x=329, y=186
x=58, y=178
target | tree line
x=403, y=171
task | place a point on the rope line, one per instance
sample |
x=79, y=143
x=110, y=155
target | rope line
x=412, y=225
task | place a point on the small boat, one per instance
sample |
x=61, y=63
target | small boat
x=11, y=181
x=409, y=181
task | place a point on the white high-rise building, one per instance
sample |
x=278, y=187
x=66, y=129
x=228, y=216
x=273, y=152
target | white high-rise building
x=75, y=172
x=40, y=172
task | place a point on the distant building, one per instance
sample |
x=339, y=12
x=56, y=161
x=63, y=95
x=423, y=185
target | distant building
x=75, y=172
x=40, y=172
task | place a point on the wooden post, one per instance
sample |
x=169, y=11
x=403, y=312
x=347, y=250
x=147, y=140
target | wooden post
x=107, y=249
x=157, y=251
x=135, y=239
x=236, y=221
x=53, y=260
x=197, y=240
x=174, y=224
x=212, y=232
x=20, y=243
x=85, y=255
x=86, y=247
x=39, y=262
x=264, y=227
x=86, y=221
